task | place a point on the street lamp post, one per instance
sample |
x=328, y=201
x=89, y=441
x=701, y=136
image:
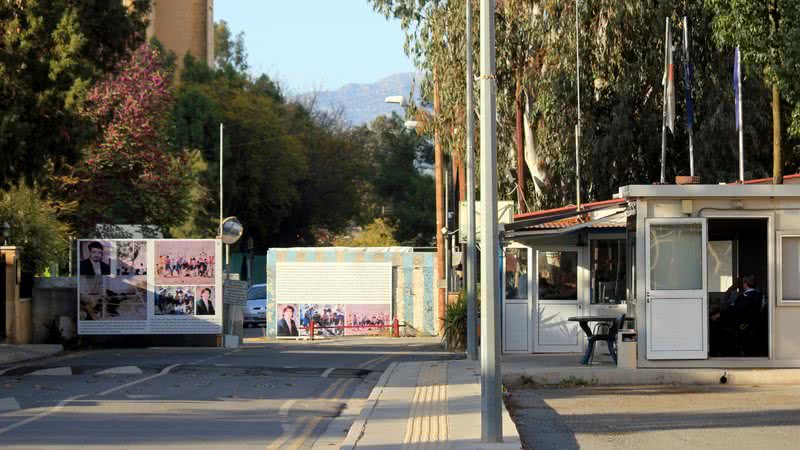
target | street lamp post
x=491, y=406
x=471, y=255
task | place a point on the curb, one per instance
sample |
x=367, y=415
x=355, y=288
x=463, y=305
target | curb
x=658, y=376
x=11, y=354
x=357, y=429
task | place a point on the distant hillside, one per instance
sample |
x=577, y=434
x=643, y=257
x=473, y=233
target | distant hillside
x=362, y=103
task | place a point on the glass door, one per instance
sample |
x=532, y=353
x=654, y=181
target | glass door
x=559, y=280
x=516, y=300
x=676, y=301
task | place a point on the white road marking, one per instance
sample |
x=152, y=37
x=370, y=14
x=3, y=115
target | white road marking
x=141, y=396
x=164, y=371
x=286, y=406
x=9, y=404
x=42, y=414
x=51, y=371
x=122, y=370
x=327, y=372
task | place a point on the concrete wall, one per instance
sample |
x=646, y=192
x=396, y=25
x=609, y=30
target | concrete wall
x=52, y=297
x=413, y=275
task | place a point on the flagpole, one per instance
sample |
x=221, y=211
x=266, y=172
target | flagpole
x=578, y=125
x=664, y=108
x=689, y=107
x=739, y=109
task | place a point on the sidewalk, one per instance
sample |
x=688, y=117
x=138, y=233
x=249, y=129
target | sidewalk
x=10, y=354
x=565, y=368
x=426, y=405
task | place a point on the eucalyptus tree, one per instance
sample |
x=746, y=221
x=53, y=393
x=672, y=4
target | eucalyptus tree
x=768, y=34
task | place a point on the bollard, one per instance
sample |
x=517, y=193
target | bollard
x=395, y=328
x=311, y=329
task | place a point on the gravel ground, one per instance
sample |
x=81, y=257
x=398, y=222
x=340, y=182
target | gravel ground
x=655, y=417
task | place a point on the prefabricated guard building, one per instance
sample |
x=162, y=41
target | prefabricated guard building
x=670, y=256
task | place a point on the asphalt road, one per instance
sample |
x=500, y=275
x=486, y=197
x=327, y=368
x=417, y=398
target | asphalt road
x=287, y=395
x=657, y=417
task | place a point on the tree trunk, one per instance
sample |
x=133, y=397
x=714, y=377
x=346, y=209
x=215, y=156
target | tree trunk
x=440, y=222
x=777, y=160
x=520, y=150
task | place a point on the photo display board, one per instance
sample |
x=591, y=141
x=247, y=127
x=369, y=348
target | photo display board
x=149, y=286
x=341, y=298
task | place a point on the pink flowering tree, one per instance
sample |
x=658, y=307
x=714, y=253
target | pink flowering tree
x=132, y=174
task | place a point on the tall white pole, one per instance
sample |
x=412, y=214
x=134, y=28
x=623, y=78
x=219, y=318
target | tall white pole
x=664, y=108
x=491, y=406
x=471, y=255
x=688, y=87
x=220, y=180
x=578, y=126
x=741, y=118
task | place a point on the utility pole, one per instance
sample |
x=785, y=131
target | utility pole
x=491, y=406
x=470, y=253
x=440, y=221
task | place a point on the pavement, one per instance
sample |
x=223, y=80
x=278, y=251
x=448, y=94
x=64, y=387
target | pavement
x=656, y=417
x=276, y=395
x=426, y=405
x=10, y=354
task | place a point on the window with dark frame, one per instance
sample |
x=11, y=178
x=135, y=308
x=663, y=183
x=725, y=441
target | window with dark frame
x=608, y=271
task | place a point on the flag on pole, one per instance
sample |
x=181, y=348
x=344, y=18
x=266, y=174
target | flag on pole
x=737, y=94
x=687, y=76
x=669, y=82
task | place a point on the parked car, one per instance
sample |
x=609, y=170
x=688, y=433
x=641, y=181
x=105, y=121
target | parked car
x=255, y=313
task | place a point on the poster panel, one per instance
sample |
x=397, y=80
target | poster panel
x=331, y=320
x=340, y=298
x=149, y=286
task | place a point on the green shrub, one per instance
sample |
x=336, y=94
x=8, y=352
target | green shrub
x=455, y=324
x=34, y=227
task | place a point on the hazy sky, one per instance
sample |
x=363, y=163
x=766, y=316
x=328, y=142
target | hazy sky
x=316, y=44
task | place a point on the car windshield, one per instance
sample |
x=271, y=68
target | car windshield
x=252, y=304
x=257, y=292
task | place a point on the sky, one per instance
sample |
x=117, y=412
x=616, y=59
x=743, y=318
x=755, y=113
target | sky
x=311, y=45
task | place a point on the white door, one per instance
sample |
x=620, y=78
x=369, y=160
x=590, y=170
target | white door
x=559, y=282
x=677, y=306
x=516, y=299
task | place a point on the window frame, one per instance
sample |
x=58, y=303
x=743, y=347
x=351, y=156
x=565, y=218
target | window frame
x=780, y=235
x=625, y=249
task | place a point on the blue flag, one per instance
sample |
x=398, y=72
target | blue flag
x=737, y=83
x=687, y=76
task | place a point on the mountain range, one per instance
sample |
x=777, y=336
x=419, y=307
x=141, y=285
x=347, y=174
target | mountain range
x=362, y=103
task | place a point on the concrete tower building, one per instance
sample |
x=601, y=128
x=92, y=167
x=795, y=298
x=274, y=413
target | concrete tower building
x=183, y=26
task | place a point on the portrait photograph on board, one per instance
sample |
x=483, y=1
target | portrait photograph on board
x=204, y=305
x=95, y=258
x=288, y=325
x=185, y=262
x=113, y=298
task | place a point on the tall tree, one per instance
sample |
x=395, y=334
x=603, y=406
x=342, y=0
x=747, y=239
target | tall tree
x=767, y=33
x=50, y=53
x=131, y=174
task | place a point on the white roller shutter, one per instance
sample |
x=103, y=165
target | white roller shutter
x=334, y=282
